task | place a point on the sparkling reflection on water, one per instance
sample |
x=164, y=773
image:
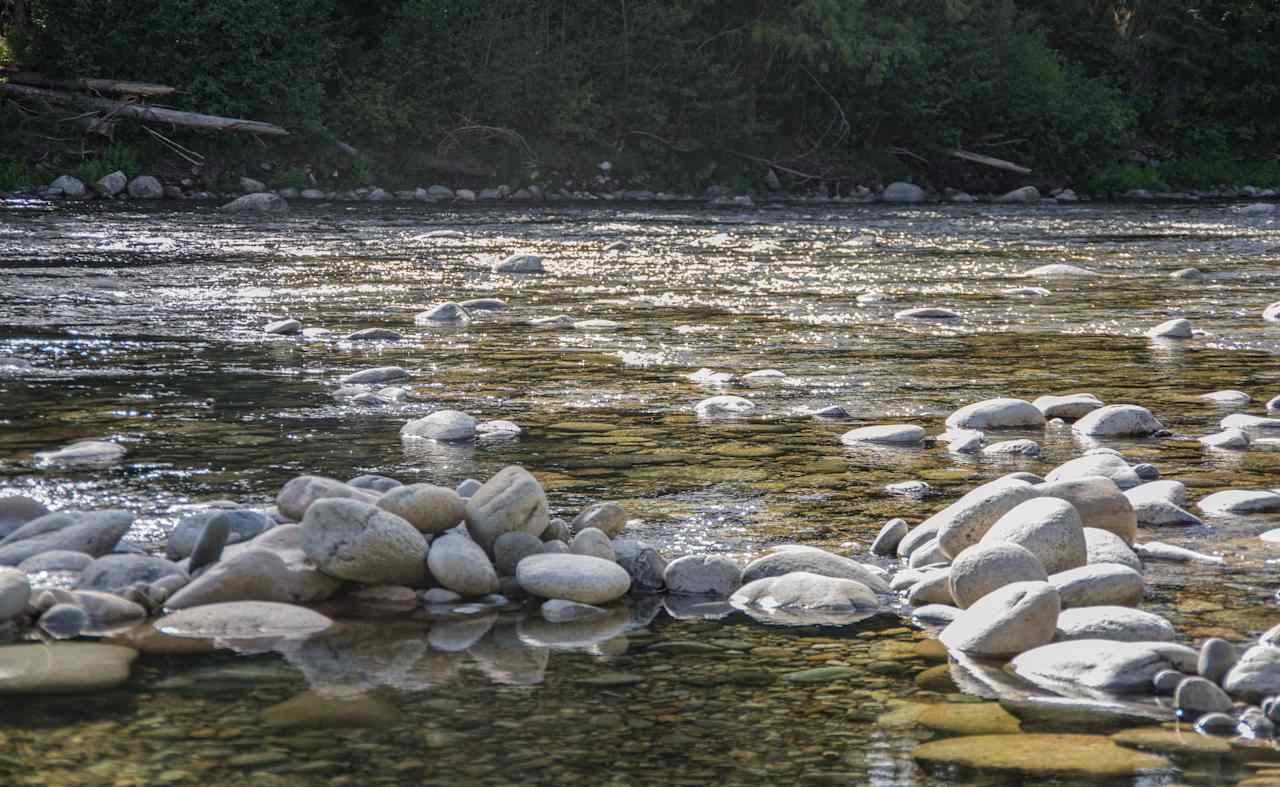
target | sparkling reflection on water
x=145, y=327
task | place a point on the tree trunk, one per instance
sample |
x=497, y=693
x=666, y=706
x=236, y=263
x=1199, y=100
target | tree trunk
x=90, y=85
x=144, y=112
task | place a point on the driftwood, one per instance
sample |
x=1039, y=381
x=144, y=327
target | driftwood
x=144, y=112
x=90, y=85
x=990, y=161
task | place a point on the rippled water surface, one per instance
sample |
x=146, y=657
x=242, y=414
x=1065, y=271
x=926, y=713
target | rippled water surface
x=145, y=327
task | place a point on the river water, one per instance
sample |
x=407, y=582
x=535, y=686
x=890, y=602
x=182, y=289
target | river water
x=144, y=327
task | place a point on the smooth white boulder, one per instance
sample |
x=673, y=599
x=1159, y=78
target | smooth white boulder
x=442, y=425
x=1170, y=491
x=811, y=560
x=983, y=568
x=1072, y=406
x=1171, y=329
x=1103, y=665
x=356, y=541
x=1229, y=398
x=459, y=564
x=1001, y=413
x=1011, y=620
x=512, y=500
x=1103, y=546
x=1060, y=271
x=1047, y=527
x=724, y=405
x=886, y=434
x=1117, y=624
x=1227, y=439
x=1240, y=501
x=967, y=520
x=520, y=263
x=1246, y=421
x=1109, y=466
x=580, y=578
x=804, y=591
x=1256, y=674
x=1098, y=584
x=1099, y=502
x=1118, y=420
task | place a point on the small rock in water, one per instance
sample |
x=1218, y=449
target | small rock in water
x=724, y=405
x=484, y=305
x=1232, y=439
x=510, y=548
x=997, y=414
x=1156, y=550
x=64, y=621
x=965, y=441
x=283, y=327
x=1227, y=397
x=594, y=542
x=1172, y=329
x=608, y=517
x=763, y=376
x=1190, y=274
x=703, y=575
x=1240, y=502
x=1073, y=406
x=908, y=488
x=1166, y=681
x=1217, y=724
x=262, y=202
x=1027, y=448
x=1060, y=271
x=927, y=313
x=886, y=543
x=442, y=313
x=352, y=540
x=598, y=326
x=1272, y=312
x=1011, y=620
x=887, y=434
x=498, y=429
x=1197, y=696
x=84, y=453
x=1245, y=421
x=443, y=425
x=520, y=263
x=429, y=508
x=1026, y=292
x=833, y=411
x=380, y=374
x=581, y=578
x=706, y=376
x=1217, y=657
x=1118, y=420
x=560, y=611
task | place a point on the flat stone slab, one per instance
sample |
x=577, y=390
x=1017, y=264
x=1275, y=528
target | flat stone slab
x=63, y=667
x=1070, y=756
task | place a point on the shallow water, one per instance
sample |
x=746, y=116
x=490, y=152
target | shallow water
x=144, y=327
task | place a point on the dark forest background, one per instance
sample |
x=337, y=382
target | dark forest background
x=1102, y=94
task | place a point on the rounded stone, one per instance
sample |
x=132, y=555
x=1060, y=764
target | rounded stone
x=607, y=516
x=297, y=495
x=1240, y=502
x=64, y=621
x=15, y=591
x=814, y=561
x=374, y=483
x=703, y=575
x=520, y=263
x=356, y=541
x=460, y=565
x=1033, y=757
x=1118, y=420
x=1217, y=657
x=1103, y=546
x=1177, y=328
x=1011, y=620
x=1257, y=673
x=967, y=521
x=1099, y=502
x=380, y=374
x=510, y=548
x=280, y=574
x=241, y=524
x=1196, y=696
x=724, y=405
x=890, y=535
x=934, y=588
x=885, y=434
x=242, y=620
x=1166, y=681
x=17, y=510
x=1098, y=584
x=558, y=530
x=997, y=414
x=512, y=500
x=1070, y=406
x=56, y=560
x=982, y=568
x=1048, y=528
x=1092, y=465
x=442, y=425
x=581, y=578
x=592, y=541
x=63, y=667
x=1121, y=624
x=429, y=508
x=113, y=573
x=927, y=313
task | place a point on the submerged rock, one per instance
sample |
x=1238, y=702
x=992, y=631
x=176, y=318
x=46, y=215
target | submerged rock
x=63, y=667
x=812, y=560
x=83, y=453
x=1041, y=756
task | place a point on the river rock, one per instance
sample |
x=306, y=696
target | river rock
x=460, y=565
x=1171, y=329
x=1217, y=657
x=983, y=568
x=724, y=405
x=1026, y=194
x=1103, y=546
x=67, y=186
x=1048, y=528
x=646, y=567
x=15, y=591
x=1118, y=420
x=1256, y=674
x=887, y=540
x=1272, y=312
x=928, y=554
x=82, y=453
x=1060, y=270
x=1069, y=406
x=95, y=533
x=1229, y=398
x=703, y=575
x=1013, y=448
x=1105, y=465
x=1120, y=624
x=1041, y=758
x=145, y=187
x=298, y=494
x=934, y=588
x=1162, y=513
x=17, y=510
x=286, y=327
x=964, y=441
x=927, y=313
x=1239, y=502
x=261, y=202
x=442, y=313
x=64, y=621
x=581, y=578
x=1196, y=696
x=1246, y=421
x=1098, y=501
x=63, y=667
x=1227, y=439
x=965, y=522
x=484, y=305
x=56, y=560
x=444, y=425
x=250, y=620
x=997, y=414
x=1005, y=622
x=374, y=376
x=918, y=537
x=1102, y=665
x=510, y=548
x=429, y=508
x=902, y=192
x=520, y=263
x=887, y=434
x=348, y=539
x=114, y=573
x=1098, y=584
x=374, y=335
x=801, y=590
x=592, y=541
x=813, y=561
x=607, y=516
x=512, y=500
x=1174, y=492
x=104, y=610
x=241, y=525
x=259, y=574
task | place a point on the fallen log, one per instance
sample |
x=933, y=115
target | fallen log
x=123, y=109
x=990, y=161
x=121, y=86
